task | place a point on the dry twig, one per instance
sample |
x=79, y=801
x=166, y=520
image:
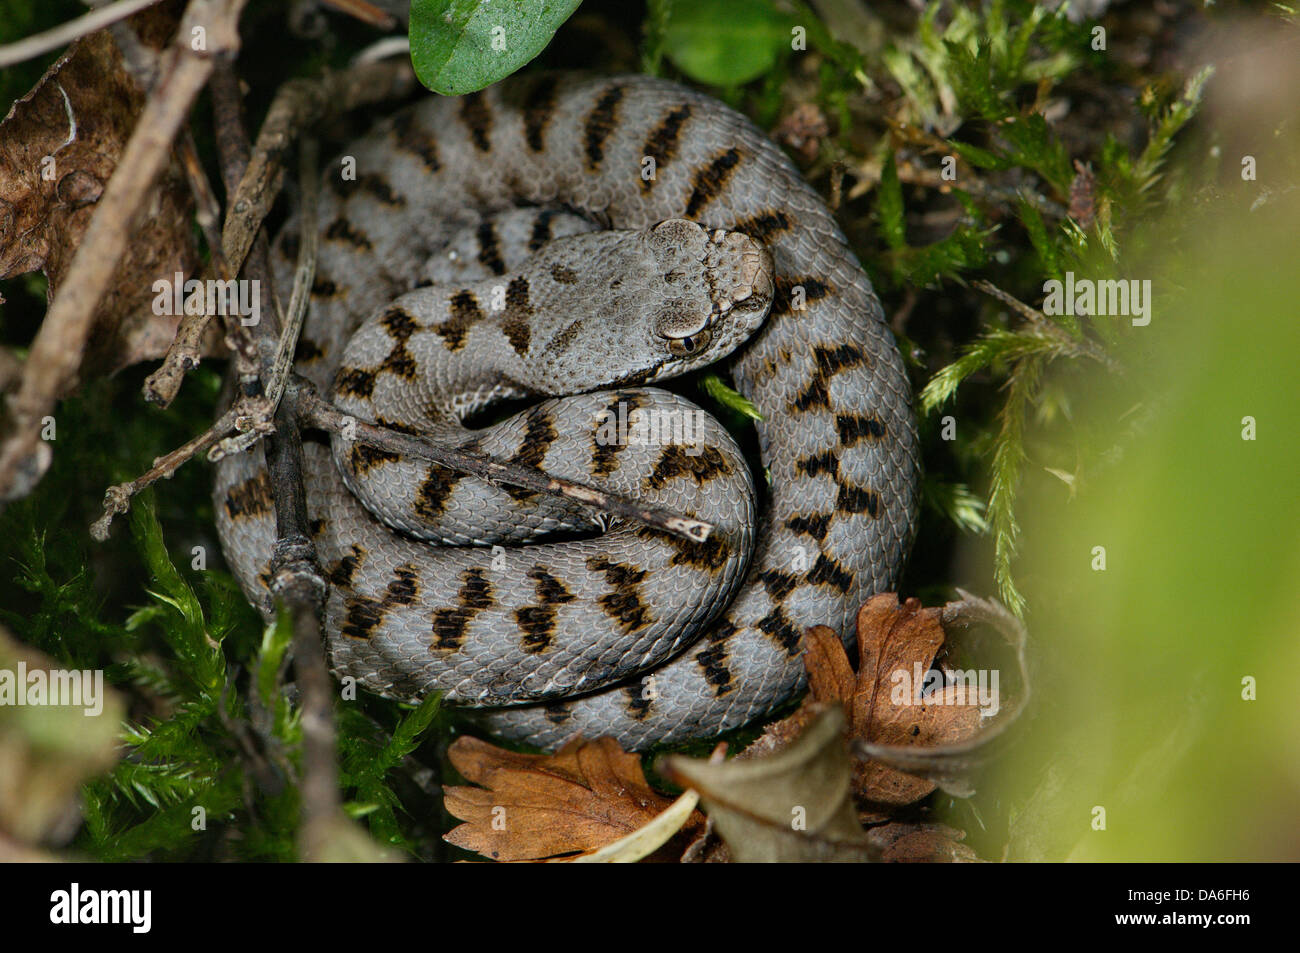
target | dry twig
x=183, y=355
x=1080, y=345
x=66, y=33
x=299, y=105
x=365, y=12
x=316, y=411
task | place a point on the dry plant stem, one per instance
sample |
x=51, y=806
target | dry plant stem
x=320, y=785
x=232, y=152
x=314, y=410
x=207, y=208
x=250, y=418
x=363, y=11
x=260, y=399
x=65, y=33
x=162, y=385
x=56, y=353
x=117, y=499
x=869, y=172
x=296, y=579
x=298, y=585
x=304, y=275
x=297, y=106
x=1080, y=346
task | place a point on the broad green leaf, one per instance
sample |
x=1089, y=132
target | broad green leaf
x=726, y=42
x=461, y=46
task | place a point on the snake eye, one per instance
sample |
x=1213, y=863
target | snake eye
x=691, y=344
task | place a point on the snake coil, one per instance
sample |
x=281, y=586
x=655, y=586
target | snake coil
x=630, y=633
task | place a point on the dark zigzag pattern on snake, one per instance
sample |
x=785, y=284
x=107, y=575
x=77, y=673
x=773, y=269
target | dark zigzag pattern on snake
x=838, y=436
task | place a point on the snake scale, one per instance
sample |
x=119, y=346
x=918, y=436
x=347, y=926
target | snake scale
x=555, y=235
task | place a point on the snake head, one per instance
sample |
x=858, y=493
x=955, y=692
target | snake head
x=717, y=289
x=639, y=306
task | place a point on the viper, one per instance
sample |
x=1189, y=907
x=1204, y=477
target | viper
x=570, y=240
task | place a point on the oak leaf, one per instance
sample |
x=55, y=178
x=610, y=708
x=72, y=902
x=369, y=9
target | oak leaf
x=586, y=796
x=888, y=701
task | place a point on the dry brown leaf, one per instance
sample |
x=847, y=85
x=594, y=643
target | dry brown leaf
x=921, y=844
x=56, y=157
x=896, y=646
x=792, y=805
x=883, y=700
x=533, y=807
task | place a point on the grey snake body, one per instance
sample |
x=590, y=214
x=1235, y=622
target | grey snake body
x=431, y=301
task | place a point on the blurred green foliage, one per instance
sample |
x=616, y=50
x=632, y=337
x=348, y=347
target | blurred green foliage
x=1147, y=666
x=726, y=42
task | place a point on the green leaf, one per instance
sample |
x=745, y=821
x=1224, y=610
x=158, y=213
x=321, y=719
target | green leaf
x=657, y=15
x=1036, y=229
x=276, y=638
x=1032, y=144
x=889, y=206
x=461, y=46
x=716, y=388
x=1147, y=168
x=726, y=42
x=1008, y=459
x=996, y=345
x=980, y=158
x=973, y=81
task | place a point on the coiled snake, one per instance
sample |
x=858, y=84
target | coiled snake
x=553, y=235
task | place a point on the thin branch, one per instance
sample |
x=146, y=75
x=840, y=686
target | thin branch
x=56, y=352
x=304, y=275
x=869, y=172
x=314, y=410
x=365, y=12
x=65, y=33
x=117, y=499
x=273, y=377
x=299, y=105
x=206, y=207
x=183, y=355
x=296, y=579
x=232, y=153
x=321, y=803
x=1041, y=322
